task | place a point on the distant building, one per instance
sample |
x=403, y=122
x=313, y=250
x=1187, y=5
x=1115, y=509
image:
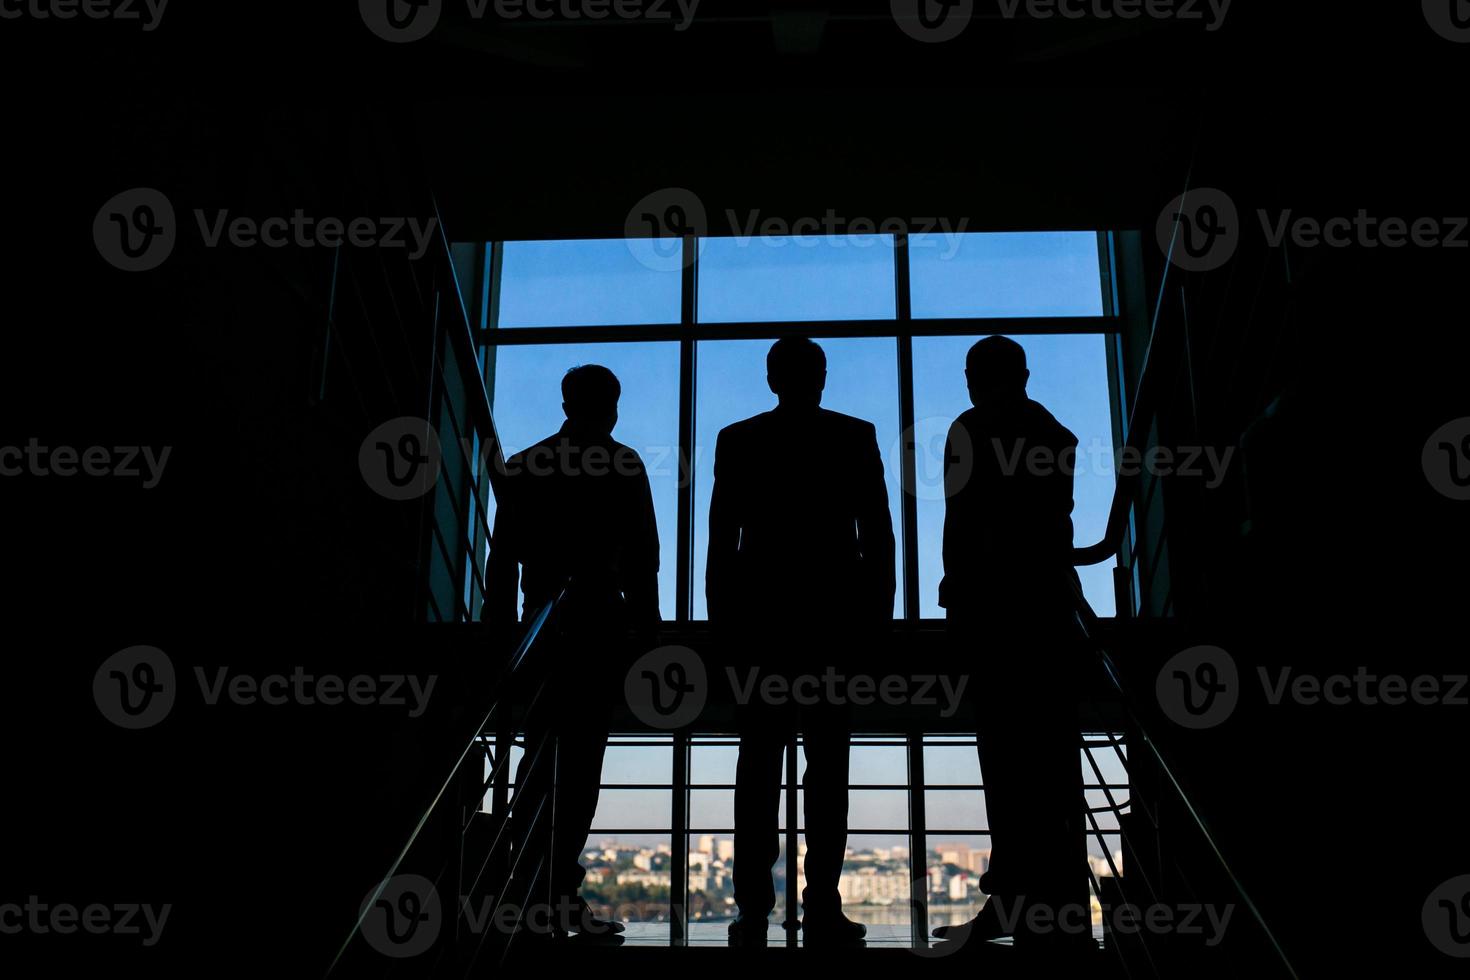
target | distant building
x=652, y=879
x=873, y=887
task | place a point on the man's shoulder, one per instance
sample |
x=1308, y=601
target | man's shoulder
x=746, y=428
x=849, y=425
x=1042, y=418
x=548, y=448
x=1033, y=418
x=626, y=454
x=969, y=418
x=536, y=448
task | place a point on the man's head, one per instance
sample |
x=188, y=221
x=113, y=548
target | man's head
x=995, y=370
x=796, y=370
x=589, y=396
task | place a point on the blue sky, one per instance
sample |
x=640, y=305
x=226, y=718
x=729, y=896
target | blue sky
x=585, y=283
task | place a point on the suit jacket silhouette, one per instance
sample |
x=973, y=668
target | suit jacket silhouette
x=1008, y=514
x=579, y=508
x=799, y=523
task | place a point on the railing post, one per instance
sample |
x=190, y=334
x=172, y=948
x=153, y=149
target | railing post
x=679, y=862
x=918, y=845
x=793, y=859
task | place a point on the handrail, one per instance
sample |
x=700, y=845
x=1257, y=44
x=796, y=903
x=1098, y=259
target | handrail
x=517, y=660
x=1085, y=616
x=1112, y=539
x=1111, y=545
x=477, y=397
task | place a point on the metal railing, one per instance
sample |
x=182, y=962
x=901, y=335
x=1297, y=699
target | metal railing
x=464, y=789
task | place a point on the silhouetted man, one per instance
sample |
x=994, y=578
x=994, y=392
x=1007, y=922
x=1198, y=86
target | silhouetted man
x=574, y=511
x=1007, y=591
x=800, y=562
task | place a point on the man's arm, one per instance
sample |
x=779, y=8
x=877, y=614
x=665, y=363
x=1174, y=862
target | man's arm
x=875, y=525
x=1058, y=488
x=502, y=571
x=724, y=532
x=640, y=587
x=956, y=475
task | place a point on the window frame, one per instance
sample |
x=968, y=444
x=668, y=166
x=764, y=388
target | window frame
x=904, y=327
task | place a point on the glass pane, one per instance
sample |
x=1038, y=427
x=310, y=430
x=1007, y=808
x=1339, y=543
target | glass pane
x=951, y=765
x=848, y=277
x=878, y=809
x=525, y=393
x=1005, y=274
x=1069, y=375
x=713, y=764
x=712, y=809
x=711, y=888
x=877, y=765
x=875, y=888
x=1113, y=770
x=633, y=810
x=862, y=380
x=596, y=282
x=628, y=880
x=956, y=810
x=954, y=865
x=647, y=764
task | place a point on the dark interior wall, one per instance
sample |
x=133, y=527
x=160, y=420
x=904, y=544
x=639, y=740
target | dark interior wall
x=1326, y=550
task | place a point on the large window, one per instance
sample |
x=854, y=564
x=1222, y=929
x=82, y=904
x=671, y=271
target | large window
x=630, y=853
x=895, y=315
